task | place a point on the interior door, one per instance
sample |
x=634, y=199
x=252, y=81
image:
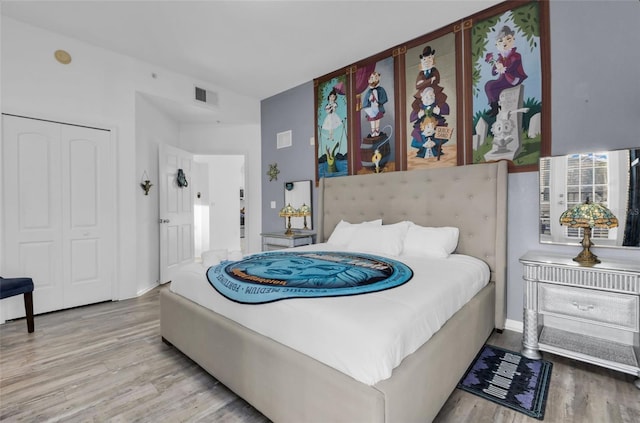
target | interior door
x=32, y=230
x=176, y=210
x=88, y=207
x=59, y=208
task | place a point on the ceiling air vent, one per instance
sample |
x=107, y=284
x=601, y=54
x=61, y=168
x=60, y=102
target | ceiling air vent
x=204, y=96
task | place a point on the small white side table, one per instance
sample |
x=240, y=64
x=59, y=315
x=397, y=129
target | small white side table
x=278, y=240
x=588, y=313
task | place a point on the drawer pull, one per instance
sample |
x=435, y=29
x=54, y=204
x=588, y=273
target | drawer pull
x=582, y=307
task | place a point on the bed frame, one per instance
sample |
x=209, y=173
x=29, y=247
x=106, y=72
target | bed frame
x=288, y=386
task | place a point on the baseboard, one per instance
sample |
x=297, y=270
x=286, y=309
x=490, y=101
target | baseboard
x=514, y=325
x=145, y=290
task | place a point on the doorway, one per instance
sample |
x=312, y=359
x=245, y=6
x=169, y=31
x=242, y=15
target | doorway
x=221, y=203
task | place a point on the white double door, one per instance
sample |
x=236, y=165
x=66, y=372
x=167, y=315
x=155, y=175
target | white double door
x=59, y=212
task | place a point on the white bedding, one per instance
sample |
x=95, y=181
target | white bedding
x=364, y=336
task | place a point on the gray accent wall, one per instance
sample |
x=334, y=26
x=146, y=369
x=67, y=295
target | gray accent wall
x=292, y=111
x=595, y=105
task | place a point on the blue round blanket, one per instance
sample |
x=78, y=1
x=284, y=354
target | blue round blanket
x=276, y=275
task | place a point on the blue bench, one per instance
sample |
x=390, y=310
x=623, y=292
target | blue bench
x=16, y=286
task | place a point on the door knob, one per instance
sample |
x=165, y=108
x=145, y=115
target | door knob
x=164, y=220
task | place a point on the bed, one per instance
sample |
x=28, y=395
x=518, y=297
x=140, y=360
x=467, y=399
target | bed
x=289, y=386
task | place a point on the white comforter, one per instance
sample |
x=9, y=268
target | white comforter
x=364, y=336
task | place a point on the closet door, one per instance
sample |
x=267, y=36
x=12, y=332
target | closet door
x=88, y=213
x=58, y=212
x=32, y=187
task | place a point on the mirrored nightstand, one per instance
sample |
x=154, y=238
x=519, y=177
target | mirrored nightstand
x=587, y=313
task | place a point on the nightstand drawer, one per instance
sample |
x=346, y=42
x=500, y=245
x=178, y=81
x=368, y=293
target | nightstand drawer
x=284, y=242
x=288, y=242
x=604, y=308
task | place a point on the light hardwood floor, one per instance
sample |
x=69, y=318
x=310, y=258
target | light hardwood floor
x=106, y=362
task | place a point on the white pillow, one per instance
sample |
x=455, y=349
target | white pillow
x=401, y=226
x=385, y=239
x=235, y=255
x=213, y=257
x=423, y=241
x=343, y=232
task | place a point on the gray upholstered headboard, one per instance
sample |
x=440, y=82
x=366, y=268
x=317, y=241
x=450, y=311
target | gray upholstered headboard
x=472, y=198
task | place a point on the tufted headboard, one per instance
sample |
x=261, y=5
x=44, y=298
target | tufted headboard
x=472, y=198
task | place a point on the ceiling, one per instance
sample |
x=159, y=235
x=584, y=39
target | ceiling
x=253, y=48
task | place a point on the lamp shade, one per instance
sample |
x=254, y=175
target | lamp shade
x=588, y=215
x=287, y=211
x=304, y=210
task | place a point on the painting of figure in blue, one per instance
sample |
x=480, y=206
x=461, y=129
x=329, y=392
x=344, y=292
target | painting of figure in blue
x=333, y=143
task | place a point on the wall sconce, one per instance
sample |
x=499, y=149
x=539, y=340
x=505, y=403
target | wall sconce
x=146, y=183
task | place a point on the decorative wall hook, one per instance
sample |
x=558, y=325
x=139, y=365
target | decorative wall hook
x=146, y=183
x=273, y=172
x=182, y=179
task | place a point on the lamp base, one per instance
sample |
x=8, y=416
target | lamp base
x=586, y=257
x=289, y=231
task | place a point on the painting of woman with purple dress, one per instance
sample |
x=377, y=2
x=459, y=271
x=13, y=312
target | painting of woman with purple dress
x=507, y=87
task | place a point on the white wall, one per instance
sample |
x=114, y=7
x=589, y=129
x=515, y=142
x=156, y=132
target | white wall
x=99, y=88
x=153, y=128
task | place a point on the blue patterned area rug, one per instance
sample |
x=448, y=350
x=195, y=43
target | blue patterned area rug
x=509, y=379
x=277, y=275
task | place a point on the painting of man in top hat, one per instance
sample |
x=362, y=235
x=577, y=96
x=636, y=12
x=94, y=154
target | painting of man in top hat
x=431, y=103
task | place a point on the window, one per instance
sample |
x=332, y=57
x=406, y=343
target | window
x=545, y=198
x=587, y=177
x=566, y=181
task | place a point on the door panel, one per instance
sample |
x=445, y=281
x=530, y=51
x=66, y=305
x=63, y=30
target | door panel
x=83, y=184
x=187, y=242
x=85, y=262
x=32, y=211
x=87, y=232
x=35, y=154
x=176, y=210
x=172, y=245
